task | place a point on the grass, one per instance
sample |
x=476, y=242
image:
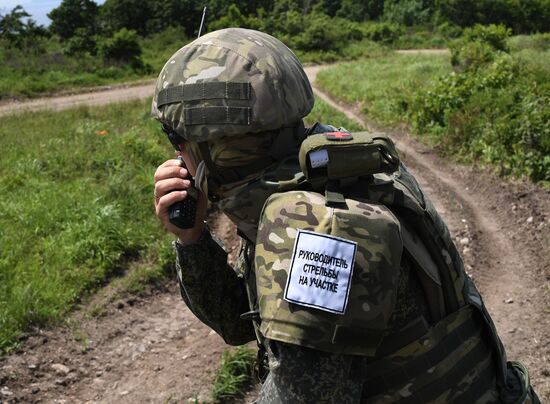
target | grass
x=234, y=375
x=381, y=85
x=324, y=113
x=495, y=116
x=76, y=209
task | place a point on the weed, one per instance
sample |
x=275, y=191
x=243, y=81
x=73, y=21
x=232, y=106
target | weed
x=234, y=375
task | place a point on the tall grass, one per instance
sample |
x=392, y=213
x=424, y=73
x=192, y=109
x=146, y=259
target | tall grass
x=76, y=208
x=382, y=86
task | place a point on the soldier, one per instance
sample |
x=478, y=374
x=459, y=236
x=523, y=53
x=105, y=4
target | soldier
x=347, y=276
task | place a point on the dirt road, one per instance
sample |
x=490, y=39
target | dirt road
x=152, y=349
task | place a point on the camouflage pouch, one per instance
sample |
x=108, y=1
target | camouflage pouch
x=301, y=281
x=518, y=386
x=344, y=156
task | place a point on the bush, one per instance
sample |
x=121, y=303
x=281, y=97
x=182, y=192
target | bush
x=471, y=56
x=479, y=46
x=497, y=114
x=383, y=32
x=453, y=92
x=81, y=42
x=123, y=47
x=493, y=35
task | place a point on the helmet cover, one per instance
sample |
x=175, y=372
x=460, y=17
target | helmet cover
x=231, y=82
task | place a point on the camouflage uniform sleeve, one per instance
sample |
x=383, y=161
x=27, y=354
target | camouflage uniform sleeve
x=212, y=290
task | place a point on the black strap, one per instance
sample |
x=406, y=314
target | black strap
x=204, y=91
x=333, y=195
x=286, y=140
x=217, y=115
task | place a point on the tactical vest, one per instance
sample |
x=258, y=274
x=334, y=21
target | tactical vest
x=353, y=188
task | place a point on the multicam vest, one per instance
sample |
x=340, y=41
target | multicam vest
x=452, y=353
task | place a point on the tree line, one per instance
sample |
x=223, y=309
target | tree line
x=112, y=29
x=72, y=17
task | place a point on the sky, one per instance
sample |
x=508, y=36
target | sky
x=36, y=8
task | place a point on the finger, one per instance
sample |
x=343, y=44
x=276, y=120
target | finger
x=163, y=173
x=171, y=162
x=163, y=187
x=164, y=202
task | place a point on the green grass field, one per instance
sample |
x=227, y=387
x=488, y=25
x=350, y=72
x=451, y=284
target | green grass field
x=496, y=116
x=381, y=85
x=77, y=209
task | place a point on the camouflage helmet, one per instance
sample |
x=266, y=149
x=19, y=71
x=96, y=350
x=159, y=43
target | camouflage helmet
x=231, y=82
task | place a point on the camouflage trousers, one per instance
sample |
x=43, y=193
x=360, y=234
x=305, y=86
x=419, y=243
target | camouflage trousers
x=298, y=375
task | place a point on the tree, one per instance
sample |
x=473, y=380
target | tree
x=361, y=11
x=12, y=25
x=72, y=15
x=174, y=13
x=15, y=30
x=129, y=14
x=408, y=12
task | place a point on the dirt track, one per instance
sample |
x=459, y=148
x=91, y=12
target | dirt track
x=152, y=349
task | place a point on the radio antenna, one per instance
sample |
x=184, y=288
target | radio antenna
x=202, y=22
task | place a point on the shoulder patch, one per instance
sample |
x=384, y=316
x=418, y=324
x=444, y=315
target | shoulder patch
x=320, y=271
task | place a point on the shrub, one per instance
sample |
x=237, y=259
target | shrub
x=123, y=47
x=493, y=35
x=479, y=46
x=497, y=114
x=81, y=42
x=319, y=32
x=383, y=32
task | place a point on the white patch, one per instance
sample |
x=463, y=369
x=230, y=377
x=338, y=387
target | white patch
x=209, y=73
x=318, y=158
x=275, y=238
x=291, y=232
x=320, y=273
x=172, y=62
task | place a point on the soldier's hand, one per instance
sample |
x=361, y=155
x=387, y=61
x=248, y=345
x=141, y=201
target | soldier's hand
x=171, y=184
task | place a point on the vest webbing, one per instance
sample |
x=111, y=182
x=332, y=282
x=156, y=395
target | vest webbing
x=463, y=353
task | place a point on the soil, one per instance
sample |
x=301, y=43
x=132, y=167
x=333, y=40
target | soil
x=150, y=348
